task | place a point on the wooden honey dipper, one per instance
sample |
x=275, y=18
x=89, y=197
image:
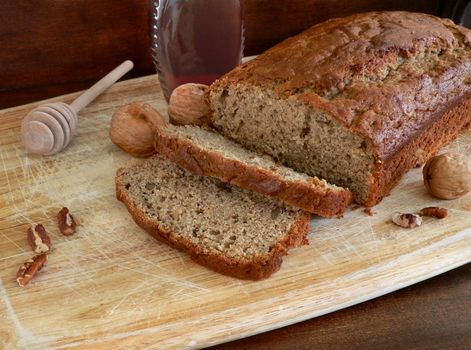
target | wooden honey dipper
x=49, y=128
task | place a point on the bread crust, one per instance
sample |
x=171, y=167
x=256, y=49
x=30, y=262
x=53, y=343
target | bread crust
x=444, y=127
x=257, y=269
x=314, y=197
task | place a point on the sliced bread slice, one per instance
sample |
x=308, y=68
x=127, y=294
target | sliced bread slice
x=207, y=153
x=228, y=229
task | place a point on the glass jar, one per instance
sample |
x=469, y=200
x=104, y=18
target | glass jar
x=195, y=41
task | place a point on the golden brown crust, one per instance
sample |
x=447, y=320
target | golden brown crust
x=256, y=269
x=313, y=197
x=444, y=128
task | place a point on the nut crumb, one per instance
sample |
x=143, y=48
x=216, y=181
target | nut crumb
x=406, y=220
x=29, y=268
x=368, y=211
x=435, y=212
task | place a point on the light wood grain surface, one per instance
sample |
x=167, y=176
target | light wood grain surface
x=113, y=286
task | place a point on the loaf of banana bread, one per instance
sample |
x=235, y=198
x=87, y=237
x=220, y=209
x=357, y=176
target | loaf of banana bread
x=357, y=100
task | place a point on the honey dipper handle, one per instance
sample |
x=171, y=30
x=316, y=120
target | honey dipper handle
x=100, y=86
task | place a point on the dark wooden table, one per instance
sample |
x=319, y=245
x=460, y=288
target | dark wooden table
x=434, y=314
x=53, y=47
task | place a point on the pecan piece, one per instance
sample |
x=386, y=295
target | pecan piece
x=406, y=220
x=38, y=239
x=66, y=222
x=435, y=212
x=29, y=269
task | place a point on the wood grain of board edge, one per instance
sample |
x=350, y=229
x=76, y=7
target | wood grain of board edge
x=433, y=314
x=124, y=288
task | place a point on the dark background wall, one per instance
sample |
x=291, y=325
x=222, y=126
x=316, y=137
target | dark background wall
x=51, y=47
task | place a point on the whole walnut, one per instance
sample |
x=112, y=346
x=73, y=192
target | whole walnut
x=187, y=105
x=448, y=175
x=132, y=128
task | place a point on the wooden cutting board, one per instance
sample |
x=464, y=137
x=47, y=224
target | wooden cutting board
x=113, y=286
